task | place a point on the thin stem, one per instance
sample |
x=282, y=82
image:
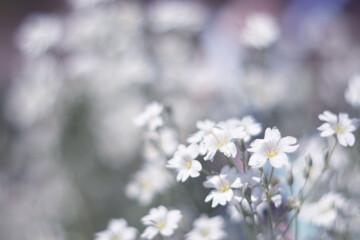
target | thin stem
x=253, y=218
x=271, y=174
x=232, y=162
x=268, y=199
x=204, y=171
x=311, y=188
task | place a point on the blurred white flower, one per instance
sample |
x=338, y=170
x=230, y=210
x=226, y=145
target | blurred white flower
x=38, y=34
x=260, y=31
x=36, y=88
x=151, y=117
x=272, y=147
x=160, y=220
x=205, y=128
x=206, y=228
x=352, y=95
x=325, y=211
x=117, y=229
x=224, y=183
x=166, y=140
x=152, y=179
x=341, y=126
x=85, y=3
x=222, y=140
x=176, y=15
x=251, y=128
x=184, y=162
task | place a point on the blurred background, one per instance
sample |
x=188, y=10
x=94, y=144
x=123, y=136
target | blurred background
x=74, y=74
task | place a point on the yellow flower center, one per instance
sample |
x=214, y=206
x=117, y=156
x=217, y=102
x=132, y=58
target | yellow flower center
x=116, y=238
x=224, y=188
x=188, y=164
x=147, y=185
x=160, y=226
x=272, y=152
x=339, y=129
x=326, y=210
x=205, y=233
x=223, y=143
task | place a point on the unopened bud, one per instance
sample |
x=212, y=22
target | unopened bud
x=292, y=203
x=242, y=145
x=289, y=178
x=326, y=159
x=307, y=172
x=309, y=160
x=246, y=191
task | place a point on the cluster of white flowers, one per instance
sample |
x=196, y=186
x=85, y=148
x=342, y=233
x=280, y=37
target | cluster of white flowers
x=109, y=57
x=242, y=183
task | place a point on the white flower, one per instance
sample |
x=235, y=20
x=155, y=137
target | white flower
x=205, y=128
x=206, y=228
x=117, y=230
x=272, y=147
x=184, y=162
x=150, y=117
x=38, y=34
x=341, y=126
x=224, y=183
x=251, y=127
x=175, y=15
x=166, y=140
x=149, y=181
x=221, y=139
x=325, y=211
x=260, y=31
x=352, y=95
x=160, y=220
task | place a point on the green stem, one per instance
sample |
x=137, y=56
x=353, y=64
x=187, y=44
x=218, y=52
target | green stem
x=311, y=188
x=271, y=174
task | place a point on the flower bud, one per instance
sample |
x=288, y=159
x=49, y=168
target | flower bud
x=242, y=145
x=289, y=178
x=309, y=160
x=292, y=203
x=326, y=159
x=246, y=192
x=307, y=172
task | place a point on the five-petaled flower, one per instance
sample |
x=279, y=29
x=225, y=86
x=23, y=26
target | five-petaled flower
x=224, y=183
x=341, y=126
x=272, y=147
x=160, y=220
x=184, y=162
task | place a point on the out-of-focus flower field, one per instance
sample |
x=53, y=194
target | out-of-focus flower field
x=183, y=120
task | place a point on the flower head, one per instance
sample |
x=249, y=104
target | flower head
x=341, y=126
x=352, y=95
x=117, y=230
x=205, y=128
x=160, y=220
x=224, y=183
x=184, y=162
x=325, y=211
x=221, y=140
x=150, y=117
x=272, y=147
x=260, y=31
x=147, y=182
x=206, y=228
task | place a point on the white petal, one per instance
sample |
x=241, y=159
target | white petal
x=257, y=160
x=342, y=140
x=229, y=150
x=350, y=139
x=276, y=161
x=149, y=233
x=328, y=116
